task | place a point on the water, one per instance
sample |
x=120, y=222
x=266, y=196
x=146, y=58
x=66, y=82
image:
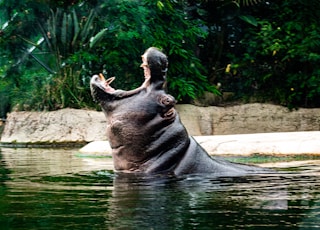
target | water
x=62, y=189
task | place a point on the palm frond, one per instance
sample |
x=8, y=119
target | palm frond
x=87, y=26
x=249, y=2
x=76, y=27
x=64, y=28
x=95, y=39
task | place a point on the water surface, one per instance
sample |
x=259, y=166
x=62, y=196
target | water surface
x=63, y=189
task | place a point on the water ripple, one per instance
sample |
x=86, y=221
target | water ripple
x=51, y=189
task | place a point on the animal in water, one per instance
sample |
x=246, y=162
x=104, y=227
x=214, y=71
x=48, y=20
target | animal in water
x=145, y=131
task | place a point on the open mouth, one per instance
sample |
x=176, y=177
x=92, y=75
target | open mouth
x=102, y=83
x=108, y=81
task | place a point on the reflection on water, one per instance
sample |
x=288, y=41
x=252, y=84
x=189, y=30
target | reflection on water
x=52, y=189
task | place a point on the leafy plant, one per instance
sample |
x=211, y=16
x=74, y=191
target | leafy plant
x=280, y=57
x=265, y=50
x=152, y=23
x=66, y=36
x=75, y=41
x=63, y=37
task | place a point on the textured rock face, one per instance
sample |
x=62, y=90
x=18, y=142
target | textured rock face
x=72, y=125
x=66, y=125
x=247, y=118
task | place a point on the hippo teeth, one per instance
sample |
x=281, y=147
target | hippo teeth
x=101, y=77
x=105, y=84
x=109, y=80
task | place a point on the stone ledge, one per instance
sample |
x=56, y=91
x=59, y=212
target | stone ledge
x=42, y=144
x=244, y=144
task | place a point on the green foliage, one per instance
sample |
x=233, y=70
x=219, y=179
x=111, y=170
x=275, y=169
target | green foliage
x=268, y=50
x=151, y=23
x=63, y=36
x=222, y=21
x=5, y=99
x=74, y=41
x=69, y=37
x=280, y=61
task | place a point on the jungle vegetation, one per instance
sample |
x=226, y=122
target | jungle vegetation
x=266, y=51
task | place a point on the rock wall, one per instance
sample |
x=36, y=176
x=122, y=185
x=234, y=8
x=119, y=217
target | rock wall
x=72, y=125
x=65, y=125
x=247, y=118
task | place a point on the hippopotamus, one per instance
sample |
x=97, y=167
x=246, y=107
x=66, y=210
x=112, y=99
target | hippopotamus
x=144, y=129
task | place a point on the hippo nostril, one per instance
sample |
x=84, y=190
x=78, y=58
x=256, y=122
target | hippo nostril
x=169, y=113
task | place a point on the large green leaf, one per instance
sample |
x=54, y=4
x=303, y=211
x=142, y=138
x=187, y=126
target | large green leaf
x=249, y=19
x=95, y=39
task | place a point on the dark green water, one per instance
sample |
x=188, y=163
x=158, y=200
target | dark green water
x=60, y=189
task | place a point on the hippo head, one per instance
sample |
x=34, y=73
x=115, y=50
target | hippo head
x=101, y=89
x=155, y=65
